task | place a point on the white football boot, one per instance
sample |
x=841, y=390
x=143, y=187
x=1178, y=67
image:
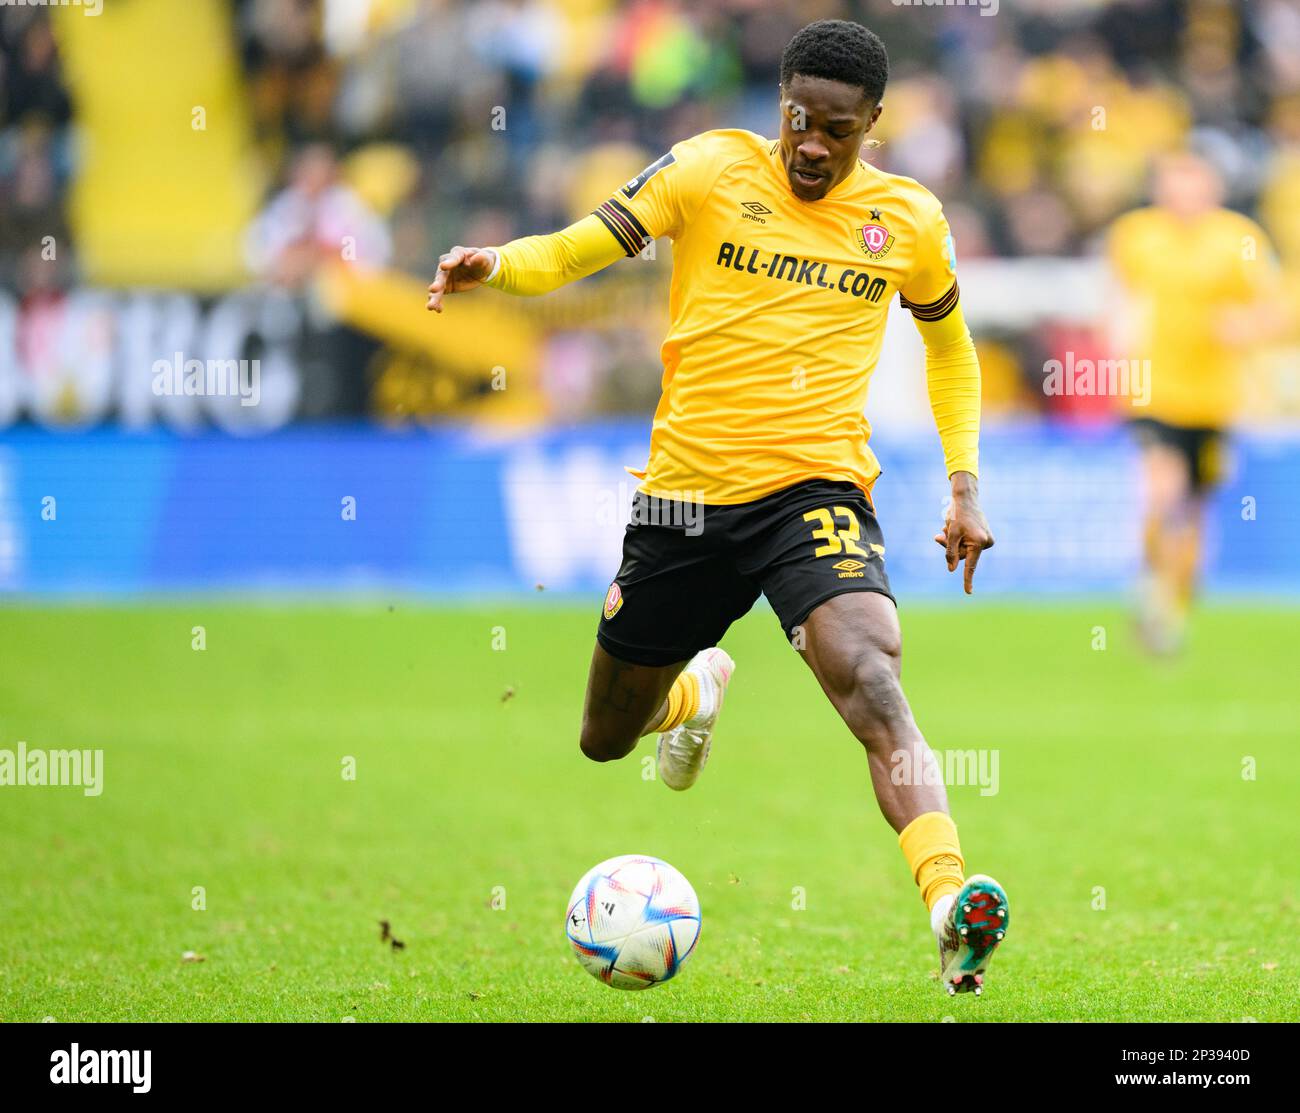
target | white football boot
x=1160, y=623
x=684, y=749
x=968, y=928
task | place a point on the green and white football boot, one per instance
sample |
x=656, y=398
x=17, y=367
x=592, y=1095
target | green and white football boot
x=969, y=927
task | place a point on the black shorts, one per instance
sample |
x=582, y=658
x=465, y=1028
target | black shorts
x=689, y=570
x=1200, y=446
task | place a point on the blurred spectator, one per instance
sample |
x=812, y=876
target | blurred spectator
x=501, y=118
x=316, y=219
x=33, y=82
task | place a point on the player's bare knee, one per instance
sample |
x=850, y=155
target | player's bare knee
x=879, y=709
x=604, y=745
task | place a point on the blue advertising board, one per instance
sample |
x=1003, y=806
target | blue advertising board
x=456, y=512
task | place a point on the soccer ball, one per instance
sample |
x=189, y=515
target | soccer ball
x=632, y=921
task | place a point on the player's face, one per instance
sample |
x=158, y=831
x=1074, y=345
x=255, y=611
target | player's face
x=823, y=124
x=1187, y=186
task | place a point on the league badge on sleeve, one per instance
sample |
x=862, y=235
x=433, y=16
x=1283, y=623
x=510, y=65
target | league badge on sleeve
x=950, y=252
x=634, y=186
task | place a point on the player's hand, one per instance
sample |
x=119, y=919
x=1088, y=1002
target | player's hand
x=460, y=269
x=965, y=534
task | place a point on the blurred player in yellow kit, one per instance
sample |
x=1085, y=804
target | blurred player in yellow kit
x=1197, y=287
x=786, y=256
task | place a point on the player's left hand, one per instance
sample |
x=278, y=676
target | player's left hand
x=460, y=269
x=965, y=533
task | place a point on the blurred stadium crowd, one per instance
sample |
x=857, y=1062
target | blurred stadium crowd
x=424, y=123
x=1036, y=127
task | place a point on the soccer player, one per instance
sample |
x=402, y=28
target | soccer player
x=786, y=255
x=1197, y=288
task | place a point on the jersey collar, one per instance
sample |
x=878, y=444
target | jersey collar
x=843, y=189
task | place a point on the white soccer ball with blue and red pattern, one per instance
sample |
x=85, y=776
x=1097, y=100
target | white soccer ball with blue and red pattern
x=633, y=921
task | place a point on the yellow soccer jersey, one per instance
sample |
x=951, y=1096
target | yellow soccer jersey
x=777, y=310
x=1180, y=276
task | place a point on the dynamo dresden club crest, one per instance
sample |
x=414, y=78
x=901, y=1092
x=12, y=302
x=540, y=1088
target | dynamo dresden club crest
x=613, y=601
x=875, y=240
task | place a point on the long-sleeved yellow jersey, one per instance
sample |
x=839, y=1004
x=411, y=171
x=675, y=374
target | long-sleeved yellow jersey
x=1179, y=277
x=778, y=310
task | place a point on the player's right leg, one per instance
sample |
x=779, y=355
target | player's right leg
x=622, y=703
x=686, y=698
x=1171, y=536
x=657, y=668
x=686, y=728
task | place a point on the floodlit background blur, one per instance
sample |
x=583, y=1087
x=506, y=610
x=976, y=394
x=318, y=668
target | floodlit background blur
x=271, y=181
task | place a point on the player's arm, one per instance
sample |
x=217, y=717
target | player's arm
x=1127, y=306
x=529, y=266
x=657, y=202
x=952, y=377
x=952, y=373
x=1262, y=312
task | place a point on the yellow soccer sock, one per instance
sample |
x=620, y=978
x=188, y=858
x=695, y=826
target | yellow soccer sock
x=683, y=702
x=1187, y=566
x=929, y=843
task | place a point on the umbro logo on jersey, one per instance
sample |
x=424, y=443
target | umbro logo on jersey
x=755, y=211
x=849, y=569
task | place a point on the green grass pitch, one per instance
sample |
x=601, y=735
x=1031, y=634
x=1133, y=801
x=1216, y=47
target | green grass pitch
x=1120, y=780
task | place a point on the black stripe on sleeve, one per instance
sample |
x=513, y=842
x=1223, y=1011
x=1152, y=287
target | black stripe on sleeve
x=616, y=231
x=639, y=235
x=935, y=310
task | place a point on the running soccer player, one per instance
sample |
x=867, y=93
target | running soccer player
x=1197, y=289
x=786, y=255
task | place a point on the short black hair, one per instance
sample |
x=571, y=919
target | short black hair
x=839, y=51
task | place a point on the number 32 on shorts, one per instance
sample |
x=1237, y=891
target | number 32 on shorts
x=842, y=540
